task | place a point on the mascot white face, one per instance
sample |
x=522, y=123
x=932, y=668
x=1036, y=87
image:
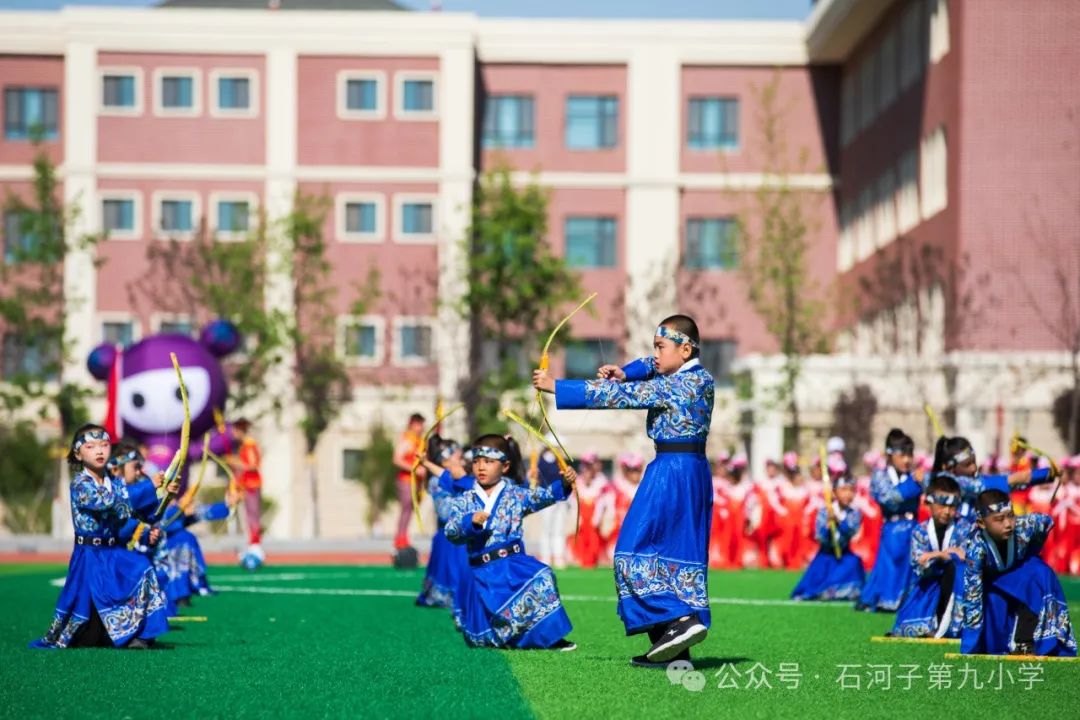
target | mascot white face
x=150, y=400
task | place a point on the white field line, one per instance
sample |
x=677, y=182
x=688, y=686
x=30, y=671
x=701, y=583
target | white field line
x=358, y=592
x=261, y=577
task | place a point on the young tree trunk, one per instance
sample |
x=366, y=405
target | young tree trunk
x=1074, y=413
x=313, y=486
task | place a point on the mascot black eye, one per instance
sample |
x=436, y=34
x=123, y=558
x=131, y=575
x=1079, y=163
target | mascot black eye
x=178, y=395
x=138, y=400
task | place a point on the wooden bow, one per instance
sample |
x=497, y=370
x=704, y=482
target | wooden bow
x=1023, y=444
x=421, y=452
x=545, y=364
x=563, y=464
x=177, y=464
x=189, y=496
x=830, y=518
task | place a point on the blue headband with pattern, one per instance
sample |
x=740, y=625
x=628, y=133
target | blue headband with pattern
x=995, y=508
x=483, y=451
x=129, y=456
x=674, y=336
x=948, y=500
x=87, y=436
x=448, y=449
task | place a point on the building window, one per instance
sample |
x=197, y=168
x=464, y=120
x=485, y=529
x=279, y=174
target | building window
x=121, y=91
x=361, y=95
x=360, y=340
x=717, y=356
x=23, y=358
x=509, y=122
x=848, y=124
x=912, y=56
x=235, y=93
x=867, y=89
x=176, y=216
x=711, y=244
x=415, y=219
x=584, y=357
x=416, y=96
x=352, y=462
x=231, y=215
x=590, y=242
x=845, y=254
x=176, y=92
x=413, y=342
x=938, y=11
x=118, y=332
x=907, y=192
x=120, y=216
x=885, y=231
x=30, y=113
x=887, y=68
x=713, y=123
x=592, y=122
x=933, y=174
x=175, y=326
x=19, y=239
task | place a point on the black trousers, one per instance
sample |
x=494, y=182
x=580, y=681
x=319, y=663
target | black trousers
x=92, y=633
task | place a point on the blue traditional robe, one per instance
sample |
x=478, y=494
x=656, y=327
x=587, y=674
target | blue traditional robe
x=918, y=614
x=662, y=552
x=120, y=585
x=448, y=563
x=184, y=561
x=973, y=486
x=898, y=496
x=995, y=584
x=828, y=577
x=511, y=601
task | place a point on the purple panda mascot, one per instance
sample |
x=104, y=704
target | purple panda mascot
x=144, y=396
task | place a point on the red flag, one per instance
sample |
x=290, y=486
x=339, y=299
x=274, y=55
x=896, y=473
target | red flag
x=114, y=425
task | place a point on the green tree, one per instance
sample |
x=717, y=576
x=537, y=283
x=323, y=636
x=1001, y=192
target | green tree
x=517, y=288
x=38, y=237
x=773, y=248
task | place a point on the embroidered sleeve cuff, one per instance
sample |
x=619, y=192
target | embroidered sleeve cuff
x=570, y=394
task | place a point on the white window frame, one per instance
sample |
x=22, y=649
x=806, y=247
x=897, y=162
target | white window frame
x=400, y=200
x=231, y=196
x=159, y=196
x=196, y=91
x=132, y=70
x=376, y=321
x=156, y=320
x=937, y=12
x=402, y=321
x=136, y=231
x=341, y=200
x=249, y=74
x=400, y=113
x=342, y=95
x=113, y=316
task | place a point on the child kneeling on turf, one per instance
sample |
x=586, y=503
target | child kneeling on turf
x=930, y=607
x=512, y=601
x=835, y=573
x=1012, y=600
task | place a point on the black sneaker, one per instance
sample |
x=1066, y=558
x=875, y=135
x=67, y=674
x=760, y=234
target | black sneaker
x=645, y=662
x=564, y=645
x=138, y=644
x=680, y=635
x=1023, y=648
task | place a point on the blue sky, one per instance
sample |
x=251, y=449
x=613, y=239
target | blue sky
x=711, y=9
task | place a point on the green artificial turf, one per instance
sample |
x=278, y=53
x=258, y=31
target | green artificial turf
x=348, y=642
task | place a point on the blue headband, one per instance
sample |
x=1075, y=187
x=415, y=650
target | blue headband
x=961, y=456
x=948, y=500
x=674, y=336
x=844, y=480
x=483, y=451
x=448, y=449
x=995, y=508
x=87, y=436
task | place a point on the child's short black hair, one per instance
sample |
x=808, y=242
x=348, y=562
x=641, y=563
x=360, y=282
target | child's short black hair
x=73, y=461
x=988, y=498
x=943, y=483
x=416, y=418
x=686, y=325
x=947, y=449
x=898, y=441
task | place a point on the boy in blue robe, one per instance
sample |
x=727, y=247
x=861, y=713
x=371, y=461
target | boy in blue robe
x=931, y=607
x=896, y=491
x=829, y=577
x=511, y=600
x=111, y=597
x=661, y=555
x=1012, y=600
